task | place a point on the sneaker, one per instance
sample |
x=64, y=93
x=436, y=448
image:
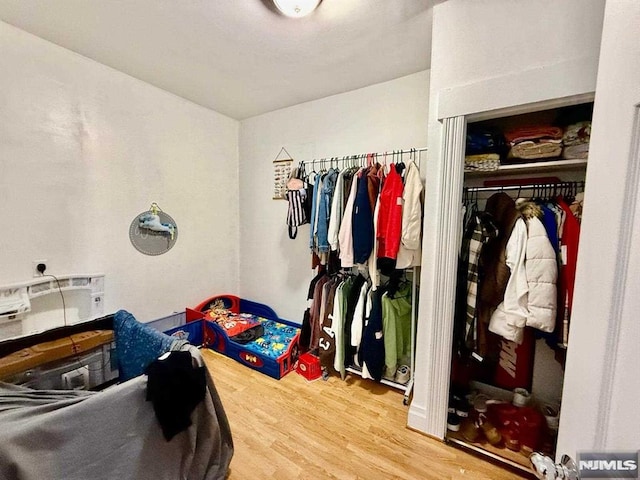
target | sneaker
x=462, y=408
x=403, y=374
x=453, y=422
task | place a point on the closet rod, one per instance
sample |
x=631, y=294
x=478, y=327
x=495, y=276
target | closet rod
x=531, y=186
x=348, y=158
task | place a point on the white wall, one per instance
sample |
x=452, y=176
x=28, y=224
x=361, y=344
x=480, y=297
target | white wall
x=83, y=150
x=392, y=115
x=491, y=55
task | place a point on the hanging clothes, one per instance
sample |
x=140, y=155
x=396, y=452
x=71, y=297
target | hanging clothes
x=326, y=341
x=551, y=227
x=337, y=211
x=345, y=235
x=372, y=345
x=372, y=263
x=410, y=251
x=530, y=298
x=389, y=225
x=509, y=318
x=569, y=257
x=479, y=231
x=317, y=184
x=362, y=222
x=324, y=209
x=338, y=323
x=314, y=318
x=305, y=330
x=541, y=266
x=373, y=183
x=352, y=300
x=357, y=324
x=396, y=326
x=348, y=185
x=494, y=270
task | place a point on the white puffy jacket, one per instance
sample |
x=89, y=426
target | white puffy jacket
x=542, y=275
x=530, y=298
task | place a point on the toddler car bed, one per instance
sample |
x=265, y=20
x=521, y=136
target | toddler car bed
x=51, y=430
x=249, y=332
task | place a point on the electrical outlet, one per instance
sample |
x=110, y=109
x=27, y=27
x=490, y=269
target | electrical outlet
x=77, y=379
x=35, y=264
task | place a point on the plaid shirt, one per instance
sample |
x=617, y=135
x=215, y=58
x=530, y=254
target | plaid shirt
x=480, y=230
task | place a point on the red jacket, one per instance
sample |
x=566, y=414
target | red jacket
x=390, y=215
x=569, y=254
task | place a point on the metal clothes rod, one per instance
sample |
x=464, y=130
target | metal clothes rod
x=363, y=156
x=531, y=186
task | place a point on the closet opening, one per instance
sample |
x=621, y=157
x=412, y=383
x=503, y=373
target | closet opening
x=523, y=184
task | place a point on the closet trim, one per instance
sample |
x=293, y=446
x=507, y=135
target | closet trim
x=438, y=285
x=548, y=86
x=620, y=288
x=440, y=252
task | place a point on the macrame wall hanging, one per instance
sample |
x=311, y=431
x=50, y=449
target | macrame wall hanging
x=281, y=171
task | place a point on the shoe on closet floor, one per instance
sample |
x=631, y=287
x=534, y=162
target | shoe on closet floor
x=462, y=408
x=403, y=374
x=453, y=422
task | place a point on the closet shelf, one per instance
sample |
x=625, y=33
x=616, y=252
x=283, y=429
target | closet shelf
x=533, y=167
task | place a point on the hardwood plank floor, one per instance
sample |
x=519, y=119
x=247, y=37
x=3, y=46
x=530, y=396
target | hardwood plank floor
x=356, y=429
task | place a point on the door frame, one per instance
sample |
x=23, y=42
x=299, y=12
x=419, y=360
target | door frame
x=601, y=384
x=444, y=184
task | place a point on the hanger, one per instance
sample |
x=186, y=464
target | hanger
x=400, y=166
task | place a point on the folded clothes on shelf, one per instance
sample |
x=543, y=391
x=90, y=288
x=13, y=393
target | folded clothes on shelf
x=577, y=134
x=484, y=141
x=530, y=150
x=483, y=162
x=533, y=133
x=576, y=151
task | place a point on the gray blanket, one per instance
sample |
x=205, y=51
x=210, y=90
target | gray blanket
x=114, y=434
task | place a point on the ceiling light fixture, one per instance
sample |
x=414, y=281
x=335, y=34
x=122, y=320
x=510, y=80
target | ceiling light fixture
x=296, y=8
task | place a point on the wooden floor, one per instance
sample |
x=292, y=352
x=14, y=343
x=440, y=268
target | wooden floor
x=294, y=429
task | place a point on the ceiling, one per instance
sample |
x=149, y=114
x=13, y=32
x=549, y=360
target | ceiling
x=238, y=57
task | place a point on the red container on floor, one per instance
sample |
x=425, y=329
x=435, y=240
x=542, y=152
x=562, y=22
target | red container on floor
x=309, y=366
